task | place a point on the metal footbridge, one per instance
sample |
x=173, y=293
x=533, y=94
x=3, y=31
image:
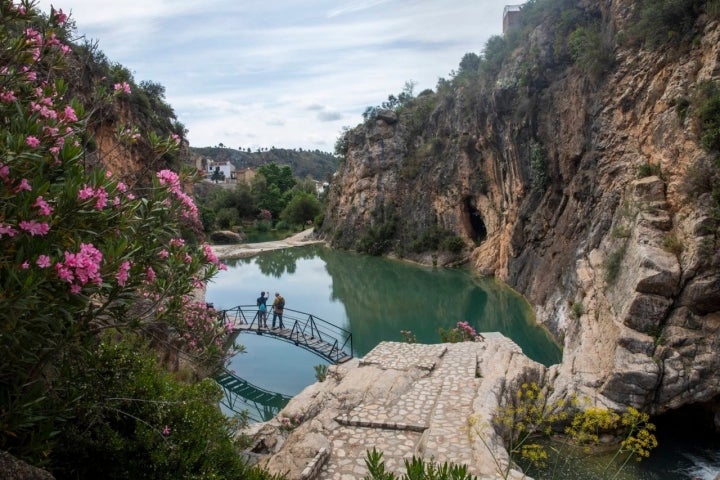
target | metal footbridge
x=324, y=339
x=328, y=341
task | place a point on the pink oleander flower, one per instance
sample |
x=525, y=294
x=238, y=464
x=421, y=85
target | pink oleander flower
x=34, y=228
x=86, y=192
x=122, y=187
x=81, y=268
x=32, y=142
x=163, y=253
x=43, y=206
x=25, y=265
x=177, y=242
x=166, y=431
x=176, y=138
x=69, y=114
x=123, y=273
x=7, y=96
x=123, y=87
x=150, y=275
x=58, y=16
x=43, y=261
x=24, y=186
x=188, y=258
x=7, y=230
x=4, y=172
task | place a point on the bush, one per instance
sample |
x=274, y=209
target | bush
x=453, y=244
x=80, y=253
x=227, y=218
x=590, y=50
x=662, y=22
x=134, y=420
x=648, y=170
x=708, y=108
x=613, y=263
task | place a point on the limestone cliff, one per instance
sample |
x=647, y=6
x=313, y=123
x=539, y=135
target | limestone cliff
x=576, y=185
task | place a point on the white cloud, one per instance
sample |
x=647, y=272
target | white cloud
x=287, y=73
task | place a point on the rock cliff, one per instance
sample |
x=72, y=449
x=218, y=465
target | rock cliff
x=577, y=186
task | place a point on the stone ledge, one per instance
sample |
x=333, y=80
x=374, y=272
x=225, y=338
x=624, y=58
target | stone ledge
x=354, y=422
x=312, y=469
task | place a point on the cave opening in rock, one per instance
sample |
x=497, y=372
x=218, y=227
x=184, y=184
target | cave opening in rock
x=688, y=442
x=477, y=230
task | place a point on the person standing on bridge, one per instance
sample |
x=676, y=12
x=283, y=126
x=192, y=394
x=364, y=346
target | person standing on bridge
x=278, y=307
x=262, y=310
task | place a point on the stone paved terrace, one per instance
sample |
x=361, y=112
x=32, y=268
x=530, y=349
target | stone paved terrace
x=430, y=417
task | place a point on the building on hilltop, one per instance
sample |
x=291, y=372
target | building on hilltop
x=511, y=17
x=226, y=169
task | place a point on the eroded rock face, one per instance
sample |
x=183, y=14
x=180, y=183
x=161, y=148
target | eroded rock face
x=636, y=254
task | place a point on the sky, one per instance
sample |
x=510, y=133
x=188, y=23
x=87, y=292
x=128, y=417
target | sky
x=283, y=73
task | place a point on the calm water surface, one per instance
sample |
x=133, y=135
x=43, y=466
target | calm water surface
x=375, y=298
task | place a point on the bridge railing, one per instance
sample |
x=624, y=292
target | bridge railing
x=306, y=330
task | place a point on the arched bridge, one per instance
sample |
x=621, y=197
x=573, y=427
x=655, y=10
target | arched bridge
x=240, y=395
x=331, y=342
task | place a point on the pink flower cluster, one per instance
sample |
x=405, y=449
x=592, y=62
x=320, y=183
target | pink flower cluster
x=171, y=179
x=123, y=87
x=99, y=194
x=467, y=331
x=81, y=268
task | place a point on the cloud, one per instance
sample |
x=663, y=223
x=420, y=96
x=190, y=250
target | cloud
x=287, y=73
x=329, y=116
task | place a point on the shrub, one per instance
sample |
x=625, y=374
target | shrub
x=648, y=170
x=452, y=244
x=134, y=420
x=613, y=263
x=538, y=166
x=320, y=372
x=590, y=50
x=80, y=253
x=416, y=468
x=661, y=22
x=672, y=244
x=462, y=332
x=576, y=310
x=709, y=115
x=226, y=218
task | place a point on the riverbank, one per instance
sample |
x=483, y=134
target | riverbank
x=243, y=250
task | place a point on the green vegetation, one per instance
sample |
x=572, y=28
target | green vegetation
x=416, y=468
x=667, y=22
x=320, y=372
x=576, y=310
x=539, y=168
x=613, y=262
x=273, y=194
x=707, y=104
x=96, y=275
x=316, y=164
x=672, y=244
x=526, y=421
x=648, y=170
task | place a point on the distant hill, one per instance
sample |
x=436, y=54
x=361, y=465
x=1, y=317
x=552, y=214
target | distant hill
x=314, y=163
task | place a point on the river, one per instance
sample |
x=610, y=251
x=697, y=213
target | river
x=375, y=298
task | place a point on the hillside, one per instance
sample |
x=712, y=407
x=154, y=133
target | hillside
x=577, y=159
x=303, y=163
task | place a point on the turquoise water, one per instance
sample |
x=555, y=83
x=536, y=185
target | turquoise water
x=375, y=298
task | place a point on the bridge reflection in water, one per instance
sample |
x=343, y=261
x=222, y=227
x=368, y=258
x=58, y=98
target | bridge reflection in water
x=324, y=339
x=242, y=396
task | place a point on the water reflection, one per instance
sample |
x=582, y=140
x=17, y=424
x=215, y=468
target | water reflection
x=375, y=298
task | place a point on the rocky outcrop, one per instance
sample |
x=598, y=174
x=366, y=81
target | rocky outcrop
x=13, y=469
x=539, y=174
x=431, y=401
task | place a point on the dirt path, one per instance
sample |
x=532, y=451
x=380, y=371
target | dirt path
x=242, y=250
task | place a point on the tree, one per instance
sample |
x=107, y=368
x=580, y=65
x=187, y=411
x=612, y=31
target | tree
x=302, y=208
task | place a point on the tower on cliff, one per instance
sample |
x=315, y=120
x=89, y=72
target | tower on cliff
x=511, y=17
